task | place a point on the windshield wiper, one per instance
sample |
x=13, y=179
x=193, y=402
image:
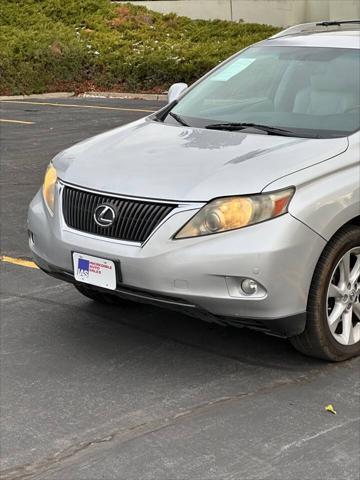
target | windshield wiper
x=179, y=119
x=233, y=127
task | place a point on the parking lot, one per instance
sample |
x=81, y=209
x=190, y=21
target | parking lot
x=137, y=392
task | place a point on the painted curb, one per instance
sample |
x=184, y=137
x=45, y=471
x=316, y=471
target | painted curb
x=129, y=96
x=38, y=95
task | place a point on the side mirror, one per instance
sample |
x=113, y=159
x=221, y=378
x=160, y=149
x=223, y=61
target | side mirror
x=175, y=91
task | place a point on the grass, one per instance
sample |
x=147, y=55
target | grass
x=52, y=45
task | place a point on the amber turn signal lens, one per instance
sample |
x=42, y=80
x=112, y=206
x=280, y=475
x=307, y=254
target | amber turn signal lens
x=49, y=187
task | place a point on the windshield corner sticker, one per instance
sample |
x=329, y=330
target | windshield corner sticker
x=232, y=69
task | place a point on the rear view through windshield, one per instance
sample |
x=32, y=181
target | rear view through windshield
x=312, y=92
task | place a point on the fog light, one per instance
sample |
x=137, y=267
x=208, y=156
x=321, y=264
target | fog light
x=245, y=288
x=249, y=286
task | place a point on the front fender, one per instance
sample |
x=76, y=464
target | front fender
x=327, y=194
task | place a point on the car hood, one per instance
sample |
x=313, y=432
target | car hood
x=154, y=160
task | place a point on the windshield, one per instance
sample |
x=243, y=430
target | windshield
x=311, y=92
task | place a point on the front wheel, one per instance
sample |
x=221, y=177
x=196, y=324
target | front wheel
x=332, y=329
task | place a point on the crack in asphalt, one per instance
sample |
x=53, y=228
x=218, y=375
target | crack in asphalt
x=124, y=435
x=308, y=438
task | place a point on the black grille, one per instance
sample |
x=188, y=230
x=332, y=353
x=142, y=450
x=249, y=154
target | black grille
x=135, y=220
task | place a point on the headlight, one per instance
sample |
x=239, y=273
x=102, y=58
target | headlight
x=231, y=213
x=49, y=187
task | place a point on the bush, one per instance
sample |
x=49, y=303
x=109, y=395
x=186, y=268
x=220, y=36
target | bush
x=47, y=45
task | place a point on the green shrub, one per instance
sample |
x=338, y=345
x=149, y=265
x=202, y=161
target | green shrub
x=47, y=45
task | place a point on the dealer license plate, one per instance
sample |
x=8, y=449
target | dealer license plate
x=94, y=271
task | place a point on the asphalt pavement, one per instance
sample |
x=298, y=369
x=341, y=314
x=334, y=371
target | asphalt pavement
x=135, y=392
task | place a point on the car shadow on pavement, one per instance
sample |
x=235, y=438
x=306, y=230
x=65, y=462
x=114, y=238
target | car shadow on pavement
x=237, y=344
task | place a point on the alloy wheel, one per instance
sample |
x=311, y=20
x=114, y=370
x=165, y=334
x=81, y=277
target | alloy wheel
x=343, y=302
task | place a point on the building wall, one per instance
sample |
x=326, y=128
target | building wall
x=274, y=12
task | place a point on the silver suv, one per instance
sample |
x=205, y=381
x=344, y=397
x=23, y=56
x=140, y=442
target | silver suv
x=237, y=203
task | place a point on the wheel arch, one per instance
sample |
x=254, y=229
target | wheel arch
x=352, y=221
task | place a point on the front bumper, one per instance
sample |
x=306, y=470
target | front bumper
x=200, y=276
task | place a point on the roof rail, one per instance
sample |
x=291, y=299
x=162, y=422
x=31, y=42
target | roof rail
x=331, y=23
x=318, y=27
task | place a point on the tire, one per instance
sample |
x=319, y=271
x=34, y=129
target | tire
x=327, y=298
x=96, y=295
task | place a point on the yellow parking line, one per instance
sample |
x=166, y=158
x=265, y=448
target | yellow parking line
x=18, y=261
x=22, y=122
x=72, y=105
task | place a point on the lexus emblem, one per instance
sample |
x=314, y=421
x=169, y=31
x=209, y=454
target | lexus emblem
x=104, y=215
